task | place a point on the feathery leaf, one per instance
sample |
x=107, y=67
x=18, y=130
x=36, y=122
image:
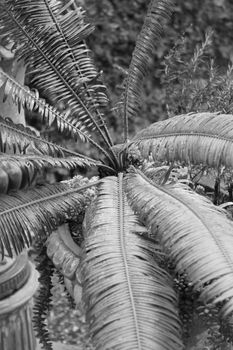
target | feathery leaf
x=19, y=171
x=130, y=301
x=40, y=210
x=205, y=138
x=197, y=235
x=50, y=41
x=159, y=11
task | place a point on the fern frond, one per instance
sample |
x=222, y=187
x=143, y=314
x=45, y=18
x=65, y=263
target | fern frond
x=197, y=235
x=19, y=171
x=159, y=11
x=130, y=301
x=37, y=211
x=202, y=138
x=51, y=44
x=18, y=139
x=30, y=99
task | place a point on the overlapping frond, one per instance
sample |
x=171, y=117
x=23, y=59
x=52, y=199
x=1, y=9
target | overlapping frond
x=18, y=139
x=50, y=40
x=202, y=138
x=22, y=96
x=197, y=235
x=130, y=301
x=40, y=210
x=159, y=11
x=19, y=171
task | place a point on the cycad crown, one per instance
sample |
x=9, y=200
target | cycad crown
x=141, y=236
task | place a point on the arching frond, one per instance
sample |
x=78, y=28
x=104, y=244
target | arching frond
x=40, y=210
x=130, y=301
x=50, y=39
x=19, y=171
x=205, y=138
x=159, y=11
x=18, y=138
x=197, y=235
x=23, y=96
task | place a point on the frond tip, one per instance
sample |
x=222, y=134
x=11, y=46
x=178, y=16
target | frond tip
x=130, y=301
x=197, y=235
x=159, y=12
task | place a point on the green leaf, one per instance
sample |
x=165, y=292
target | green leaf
x=202, y=138
x=197, y=235
x=130, y=301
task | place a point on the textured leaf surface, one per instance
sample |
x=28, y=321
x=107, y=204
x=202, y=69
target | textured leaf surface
x=197, y=235
x=159, y=11
x=130, y=301
x=51, y=43
x=197, y=138
x=19, y=171
x=16, y=138
x=40, y=210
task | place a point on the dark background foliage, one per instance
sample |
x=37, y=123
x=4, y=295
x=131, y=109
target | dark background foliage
x=117, y=25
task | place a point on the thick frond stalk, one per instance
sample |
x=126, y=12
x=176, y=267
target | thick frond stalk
x=38, y=211
x=51, y=43
x=158, y=13
x=202, y=138
x=19, y=171
x=197, y=235
x=130, y=301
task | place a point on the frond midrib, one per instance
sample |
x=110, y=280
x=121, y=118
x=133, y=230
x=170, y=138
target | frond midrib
x=47, y=198
x=121, y=214
x=183, y=133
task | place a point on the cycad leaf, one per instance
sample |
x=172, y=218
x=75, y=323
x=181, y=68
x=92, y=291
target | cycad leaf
x=50, y=39
x=130, y=301
x=18, y=139
x=159, y=11
x=30, y=99
x=205, y=138
x=21, y=170
x=40, y=210
x=197, y=235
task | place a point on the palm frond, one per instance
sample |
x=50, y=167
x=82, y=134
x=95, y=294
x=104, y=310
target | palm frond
x=22, y=96
x=19, y=171
x=159, y=11
x=197, y=235
x=50, y=39
x=17, y=138
x=202, y=138
x=130, y=301
x=40, y=210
